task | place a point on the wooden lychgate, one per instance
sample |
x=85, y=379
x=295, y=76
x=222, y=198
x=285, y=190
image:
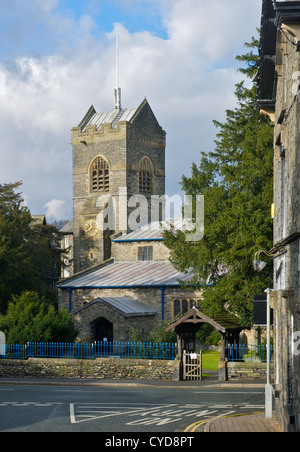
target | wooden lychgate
x=189, y=323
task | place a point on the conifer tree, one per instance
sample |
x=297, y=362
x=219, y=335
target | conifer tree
x=236, y=180
x=30, y=318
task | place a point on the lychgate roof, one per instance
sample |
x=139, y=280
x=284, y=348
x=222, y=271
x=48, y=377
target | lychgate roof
x=222, y=322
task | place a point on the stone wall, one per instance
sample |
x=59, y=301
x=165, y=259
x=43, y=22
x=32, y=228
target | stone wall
x=286, y=294
x=128, y=251
x=118, y=369
x=98, y=369
x=247, y=371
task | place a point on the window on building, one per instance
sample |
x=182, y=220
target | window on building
x=145, y=253
x=100, y=175
x=183, y=305
x=177, y=307
x=145, y=177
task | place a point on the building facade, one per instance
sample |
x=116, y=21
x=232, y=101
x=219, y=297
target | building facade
x=116, y=155
x=278, y=96
x=121, y=282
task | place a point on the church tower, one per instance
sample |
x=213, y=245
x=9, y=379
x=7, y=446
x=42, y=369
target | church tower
x=116, y=155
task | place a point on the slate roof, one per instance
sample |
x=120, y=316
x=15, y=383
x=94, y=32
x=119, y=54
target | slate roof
x=128, y=307
x=110, y=117
x=67, y=228
x=128, y=274
x=153, y=231
x=107, y=117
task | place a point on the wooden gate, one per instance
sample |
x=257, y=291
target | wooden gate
x=192, y=366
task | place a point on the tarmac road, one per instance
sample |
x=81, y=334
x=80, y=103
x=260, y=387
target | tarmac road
x=119, y=409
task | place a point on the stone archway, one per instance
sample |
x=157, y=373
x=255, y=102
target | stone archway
x=103, y=330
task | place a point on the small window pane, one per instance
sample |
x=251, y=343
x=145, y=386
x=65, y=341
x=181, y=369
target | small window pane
x=177, y=309
x=145, y=253
x=140, y=254
x=150, y=253
x=184, y=306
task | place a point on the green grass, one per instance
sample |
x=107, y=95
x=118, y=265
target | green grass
x=210, y=360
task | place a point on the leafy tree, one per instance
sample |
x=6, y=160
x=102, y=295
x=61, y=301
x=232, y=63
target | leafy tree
x=15, y=222
x=30, y=318
x=158, y=335
x=30, y=255
x=43, y=245
x=236, y=180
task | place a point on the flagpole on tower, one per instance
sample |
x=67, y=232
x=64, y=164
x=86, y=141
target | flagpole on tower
x=118, y=89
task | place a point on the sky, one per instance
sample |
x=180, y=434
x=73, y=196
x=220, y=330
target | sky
x=57, y=58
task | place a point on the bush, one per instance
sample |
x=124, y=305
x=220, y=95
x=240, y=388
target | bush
x=214, y=338
x=158, y=335
x=30, y=318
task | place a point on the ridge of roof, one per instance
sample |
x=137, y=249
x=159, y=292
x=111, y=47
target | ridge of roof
x=112, y=116
x=128, y=274
x=153, y=231
x=127, y=306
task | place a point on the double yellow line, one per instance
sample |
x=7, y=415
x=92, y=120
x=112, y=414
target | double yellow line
x=193, y=427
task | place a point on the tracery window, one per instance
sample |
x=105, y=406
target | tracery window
x=145, y=177
x=100, y=175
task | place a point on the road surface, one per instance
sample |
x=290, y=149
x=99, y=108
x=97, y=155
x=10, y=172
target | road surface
x=121, y=409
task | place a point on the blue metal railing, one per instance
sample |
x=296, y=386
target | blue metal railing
x=134, y=350
x=248, y=353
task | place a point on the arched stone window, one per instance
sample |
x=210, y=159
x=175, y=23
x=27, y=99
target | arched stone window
x=145, y=177
x=99, y=175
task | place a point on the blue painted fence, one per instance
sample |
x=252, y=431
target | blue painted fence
x=134, y=350
x=248, y=353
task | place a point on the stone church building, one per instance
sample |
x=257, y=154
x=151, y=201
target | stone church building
x=120, y=278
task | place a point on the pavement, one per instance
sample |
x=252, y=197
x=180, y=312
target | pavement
x=245, y=423
x=250, y=423
x=238, y=423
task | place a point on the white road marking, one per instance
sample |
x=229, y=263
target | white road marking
x=228, y=393
x=144, y=415
x=89, y=412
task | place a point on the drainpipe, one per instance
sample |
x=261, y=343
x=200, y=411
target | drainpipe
x=70, y=299
x=162, y=304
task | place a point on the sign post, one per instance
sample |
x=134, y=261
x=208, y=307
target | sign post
x=269, y=387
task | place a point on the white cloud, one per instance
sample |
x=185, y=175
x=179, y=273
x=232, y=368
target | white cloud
x=55, y=209
x=2, y=84
x=211, y=28
x=188, y=80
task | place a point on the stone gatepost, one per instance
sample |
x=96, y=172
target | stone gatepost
x=2, y=344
